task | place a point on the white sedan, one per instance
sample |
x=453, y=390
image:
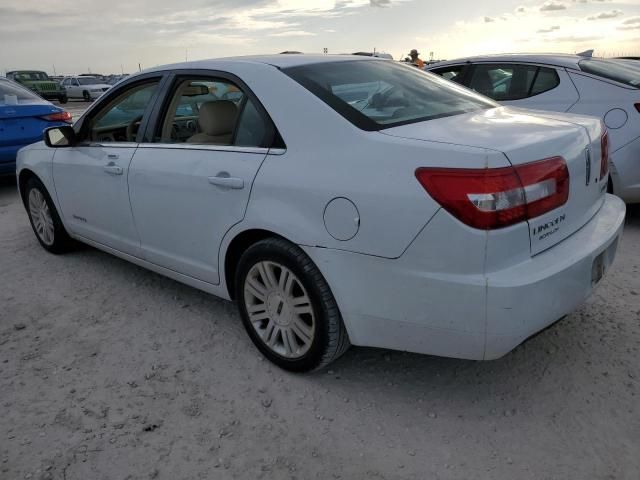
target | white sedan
x=608, y=89
x=337, y=200
x=85, y=87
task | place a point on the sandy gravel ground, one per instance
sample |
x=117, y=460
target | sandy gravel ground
x=108, y=371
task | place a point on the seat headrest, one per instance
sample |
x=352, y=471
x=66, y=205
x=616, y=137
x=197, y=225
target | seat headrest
x=217, y=117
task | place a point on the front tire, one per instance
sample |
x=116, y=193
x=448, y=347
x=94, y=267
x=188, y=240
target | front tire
x=63, y=99
x=287, y=307
x=44, y=218
x=86, y=95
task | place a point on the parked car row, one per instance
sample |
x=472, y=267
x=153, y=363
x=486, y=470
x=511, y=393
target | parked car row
x=339, y=200
x=81, y=87
x=23, y=117
x=607, y=89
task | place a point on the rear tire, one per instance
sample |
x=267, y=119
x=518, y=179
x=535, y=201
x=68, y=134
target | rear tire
x=287, y=307
x=44, y=218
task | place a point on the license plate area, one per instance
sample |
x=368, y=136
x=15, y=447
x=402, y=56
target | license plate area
x=602, y=261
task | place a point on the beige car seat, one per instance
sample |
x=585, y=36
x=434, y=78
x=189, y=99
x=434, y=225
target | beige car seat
x=216, y=120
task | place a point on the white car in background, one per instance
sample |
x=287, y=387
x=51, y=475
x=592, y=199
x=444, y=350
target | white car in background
x=338, y=200
x=85, y=87
x=608, y=89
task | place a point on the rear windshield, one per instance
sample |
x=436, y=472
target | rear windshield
x=381, y=94
x=612, y=70
x=11, y=93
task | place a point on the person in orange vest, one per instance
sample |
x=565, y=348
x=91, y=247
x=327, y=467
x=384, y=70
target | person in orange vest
x=415, y=59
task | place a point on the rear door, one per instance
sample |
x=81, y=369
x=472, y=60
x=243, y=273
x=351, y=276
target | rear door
x=524, y=85
x=192, y=182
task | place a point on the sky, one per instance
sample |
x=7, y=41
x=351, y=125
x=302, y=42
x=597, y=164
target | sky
x=111, y=36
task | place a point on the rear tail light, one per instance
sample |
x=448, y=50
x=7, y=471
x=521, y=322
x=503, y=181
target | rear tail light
x=604, y=154
x=491, y=198
x=63, y=116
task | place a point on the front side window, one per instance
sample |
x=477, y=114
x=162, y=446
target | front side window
x=207, y=111
x=452, y=73
x=119, y=119
x=375, y=94
x=612, y=70
x=512, y=81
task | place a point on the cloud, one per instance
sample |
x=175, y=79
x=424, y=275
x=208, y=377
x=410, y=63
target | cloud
x=552, y=6
x=629, y=27
x=521, y=10
x=292, y=33
x=380, y=3
x=605, y=15
x=576, y=38
x=489, y=20
x=549, y=30
x=631, y=21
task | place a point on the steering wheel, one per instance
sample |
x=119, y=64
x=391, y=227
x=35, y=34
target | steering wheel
x=130, y=133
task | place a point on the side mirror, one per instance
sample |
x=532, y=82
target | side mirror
x=56, y=137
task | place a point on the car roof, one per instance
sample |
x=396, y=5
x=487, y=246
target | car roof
x=277, y=60
x=555, y=59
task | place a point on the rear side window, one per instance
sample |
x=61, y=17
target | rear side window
x=611, y=70
x=11, y=93
x=375, y=94
x=512, y=81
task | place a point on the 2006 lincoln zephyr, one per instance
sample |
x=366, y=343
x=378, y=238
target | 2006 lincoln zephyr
x=338, y=201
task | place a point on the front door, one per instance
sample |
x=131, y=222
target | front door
x=193, y=182
x=91, y=177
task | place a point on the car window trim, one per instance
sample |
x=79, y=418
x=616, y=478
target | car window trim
x=109, y=95
x=204, y=146
x=165, y=95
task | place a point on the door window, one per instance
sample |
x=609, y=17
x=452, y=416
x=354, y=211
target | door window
x=211, y=112
x=453, y=73
x=512, y=81
x=119, y=119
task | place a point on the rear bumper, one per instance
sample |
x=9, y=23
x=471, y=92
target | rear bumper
x=8, y=159
x=397, y=304
x=530, y=296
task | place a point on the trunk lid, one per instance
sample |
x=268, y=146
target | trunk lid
x=526, y=136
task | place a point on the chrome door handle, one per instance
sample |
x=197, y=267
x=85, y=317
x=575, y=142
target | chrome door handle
x=113, y=156
x=113, y=169
x=224, y=180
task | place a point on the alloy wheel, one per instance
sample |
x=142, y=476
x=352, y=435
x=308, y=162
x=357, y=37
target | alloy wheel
x=279, y=309
x=41, y=217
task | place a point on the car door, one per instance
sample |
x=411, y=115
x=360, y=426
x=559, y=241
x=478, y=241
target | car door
x=192, y=182
x=73, y=88
x=91, y=176
x=524, y=85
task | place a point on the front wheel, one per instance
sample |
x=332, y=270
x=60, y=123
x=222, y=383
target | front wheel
x=44, y=218
x=86, y=95
x=287, y=307
x=63, y=99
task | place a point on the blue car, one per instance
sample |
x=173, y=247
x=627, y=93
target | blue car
x=23, y=118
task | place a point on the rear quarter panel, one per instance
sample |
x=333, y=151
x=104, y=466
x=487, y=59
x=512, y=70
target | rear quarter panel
x=327, y=157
